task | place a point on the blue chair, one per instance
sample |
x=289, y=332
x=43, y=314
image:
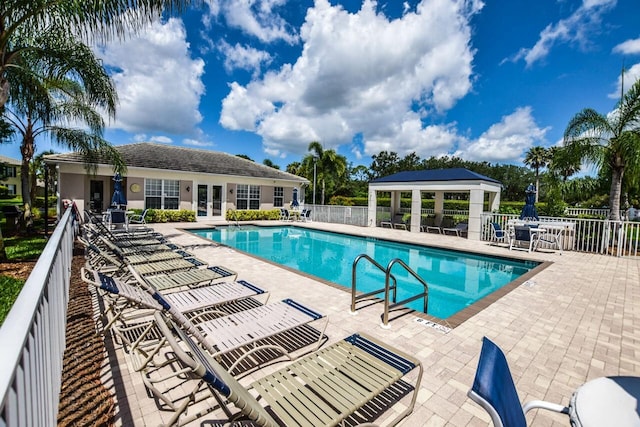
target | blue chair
x=494, y=390
x=500, y=235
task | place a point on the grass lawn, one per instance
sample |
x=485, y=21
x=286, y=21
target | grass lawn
x=20, y=249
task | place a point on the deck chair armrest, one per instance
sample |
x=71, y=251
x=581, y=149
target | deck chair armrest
x=315, y=315
x=541, y=404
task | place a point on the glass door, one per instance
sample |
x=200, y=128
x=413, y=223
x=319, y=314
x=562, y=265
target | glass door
x=203, y=200
x=216, y=191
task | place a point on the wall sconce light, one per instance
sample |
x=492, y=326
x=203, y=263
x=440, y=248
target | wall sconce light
x=188, y=188
x=231, y=190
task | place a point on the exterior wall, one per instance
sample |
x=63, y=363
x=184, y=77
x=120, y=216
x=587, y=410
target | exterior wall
x=74, y=184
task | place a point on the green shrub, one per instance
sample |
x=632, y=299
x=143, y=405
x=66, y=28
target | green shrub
x=253, y=215
x=342, y=201
x=162, y=216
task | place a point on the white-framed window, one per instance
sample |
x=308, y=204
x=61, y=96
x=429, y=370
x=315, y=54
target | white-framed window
x=248, y=197
x=161, y=193
x=9, y=171
x=278, y=197
x=11, y=189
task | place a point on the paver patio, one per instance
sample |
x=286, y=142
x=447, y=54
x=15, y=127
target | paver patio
x=574, y=321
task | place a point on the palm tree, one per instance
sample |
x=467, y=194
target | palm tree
x=45, y=99
x=330, y=167
x=23, y=22
x=609, y=141
x=537, y=158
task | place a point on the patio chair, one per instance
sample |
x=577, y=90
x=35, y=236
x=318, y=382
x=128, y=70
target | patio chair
x=129, y=302
x=494, y=390
x=137, y=221
x=604, y=401
x=399, y=223
x=187, y=278
x=500, y=235
x=321, y=389
x=285, y=215
x=305, y=215
x=524, y=238
x=461, y=229
x=432, y=226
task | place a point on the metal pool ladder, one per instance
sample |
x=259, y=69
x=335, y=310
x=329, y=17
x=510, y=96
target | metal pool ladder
x=387, y=286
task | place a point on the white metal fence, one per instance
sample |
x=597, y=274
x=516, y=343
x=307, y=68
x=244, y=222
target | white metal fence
x=33, y=337
x=586, y=235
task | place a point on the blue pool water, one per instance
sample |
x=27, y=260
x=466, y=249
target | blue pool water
x=456, y=279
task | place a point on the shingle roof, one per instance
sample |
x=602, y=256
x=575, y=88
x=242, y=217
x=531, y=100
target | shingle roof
x=10, y=160
x=453, y=174
x=162, y=156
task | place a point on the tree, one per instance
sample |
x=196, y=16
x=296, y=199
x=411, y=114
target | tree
x=330, y=168
x=536, y=158
x=609, y=141
x=384, y=164
x=268, y=162
x=295, y=168
x=24, y=22
x=52, y=100
x=244, y=156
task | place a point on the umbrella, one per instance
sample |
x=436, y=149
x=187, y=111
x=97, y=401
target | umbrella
x=529, y=211
x=118, y=198
x=294, y=203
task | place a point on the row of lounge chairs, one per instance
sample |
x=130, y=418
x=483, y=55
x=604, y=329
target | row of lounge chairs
x=177, y=323
x=445, y=227
x=304, y=215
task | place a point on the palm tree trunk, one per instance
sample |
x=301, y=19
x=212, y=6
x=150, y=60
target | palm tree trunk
x=27, y=149
x=4, y=92
x=616, y=191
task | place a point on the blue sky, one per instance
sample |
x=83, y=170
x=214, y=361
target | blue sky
x=481, y=80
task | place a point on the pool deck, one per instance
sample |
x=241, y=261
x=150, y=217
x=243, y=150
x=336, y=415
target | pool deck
x=575, y=320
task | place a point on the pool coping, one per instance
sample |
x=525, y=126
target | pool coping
x=450, y=323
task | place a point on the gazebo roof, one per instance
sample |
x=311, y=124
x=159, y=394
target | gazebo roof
x=453, y=174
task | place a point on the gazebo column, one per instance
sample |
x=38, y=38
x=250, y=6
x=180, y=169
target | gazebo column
x=372, y=210
x=395, y=203
x=494, y=202
x=416, y=210
x=438, y=207
x=476, y=201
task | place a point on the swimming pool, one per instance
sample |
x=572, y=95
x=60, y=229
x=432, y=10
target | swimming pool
x=456, y=279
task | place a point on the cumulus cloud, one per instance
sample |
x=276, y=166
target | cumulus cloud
x=505, y=141
x=244, y=58
x=574, y=29
x=161, y=139
x=363, y=74
x=628, y=47
x=159, y=84
x=256, y=18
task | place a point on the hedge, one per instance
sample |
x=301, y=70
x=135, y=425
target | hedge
x=159, y=215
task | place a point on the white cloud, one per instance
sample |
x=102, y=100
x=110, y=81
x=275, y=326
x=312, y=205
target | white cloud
x=628, y=47
x=257, y=18
x=574, y=29
x=197, y=142
x=363, y=74
x=506, y=141
x=161, y=139
x=159, y=84
x=243, y=57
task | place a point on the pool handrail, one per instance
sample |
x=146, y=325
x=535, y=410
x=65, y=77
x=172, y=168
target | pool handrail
x=354, y=297
x=387, y=306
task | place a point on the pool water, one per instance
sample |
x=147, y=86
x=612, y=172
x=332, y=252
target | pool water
x=456, y=279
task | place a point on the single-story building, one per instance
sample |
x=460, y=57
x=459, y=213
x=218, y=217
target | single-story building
x=439, y=182
x=161, y=176
x=10, y=175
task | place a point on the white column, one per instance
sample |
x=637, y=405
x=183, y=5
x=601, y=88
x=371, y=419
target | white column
x=372, y=208
x=476, y=201
x=416, y=210
x=439, y=206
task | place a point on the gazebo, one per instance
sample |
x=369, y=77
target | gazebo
x=439, y=182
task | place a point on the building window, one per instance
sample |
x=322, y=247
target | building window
x=9, y=171
x=11, y=189
x=161, y=194
x=248, y=197
x=278, y=197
